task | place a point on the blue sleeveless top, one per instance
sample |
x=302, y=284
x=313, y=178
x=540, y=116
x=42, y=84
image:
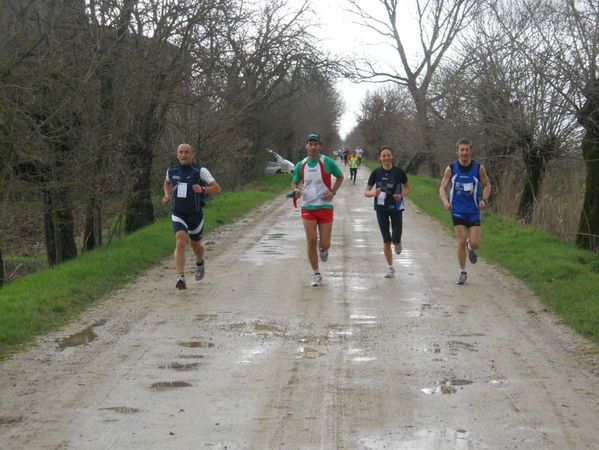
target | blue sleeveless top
x=465, y=192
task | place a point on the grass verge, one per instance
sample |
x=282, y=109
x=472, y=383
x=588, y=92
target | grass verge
x=38, y=303
x=565, y=277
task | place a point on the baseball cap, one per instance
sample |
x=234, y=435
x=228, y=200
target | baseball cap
x=313, y=137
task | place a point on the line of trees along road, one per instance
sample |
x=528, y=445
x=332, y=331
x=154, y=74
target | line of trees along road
x=519, y=77
x=95, y=95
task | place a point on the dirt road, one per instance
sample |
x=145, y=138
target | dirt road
x=255, y=358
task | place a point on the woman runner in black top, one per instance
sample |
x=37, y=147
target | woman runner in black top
x=389, y=186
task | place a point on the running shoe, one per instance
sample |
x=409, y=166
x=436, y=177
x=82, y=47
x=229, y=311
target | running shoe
x=200, y=270
x=324, y=254
x=397, y=248
x=181, y=281
x=462, y=278
x=390, y=272
x=317, y=279
x=471, y=253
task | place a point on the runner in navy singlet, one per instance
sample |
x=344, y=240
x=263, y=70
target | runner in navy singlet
x=185, y=186
x=391, y=186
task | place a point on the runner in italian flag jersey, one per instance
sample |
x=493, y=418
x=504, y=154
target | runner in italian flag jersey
x=313, y=186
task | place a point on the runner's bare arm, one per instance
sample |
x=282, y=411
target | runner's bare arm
x=167, y=189
x=443, y=187
x=484, y=180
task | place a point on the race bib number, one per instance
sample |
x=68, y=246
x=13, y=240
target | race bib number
x=182, y=190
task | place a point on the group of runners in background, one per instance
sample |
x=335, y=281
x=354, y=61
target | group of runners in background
x=464, y=190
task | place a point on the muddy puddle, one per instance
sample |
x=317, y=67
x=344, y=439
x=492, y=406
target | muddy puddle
x=190, y=356
x=205, y=317
x=180, y=367
x=307, y=353
x=10, y=420
x=196, y=344
x=454, y=346
x=314, y=340
x=121, y=409
x=164, y=385
x=83, y=337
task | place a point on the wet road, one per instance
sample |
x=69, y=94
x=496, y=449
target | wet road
x=255, y=358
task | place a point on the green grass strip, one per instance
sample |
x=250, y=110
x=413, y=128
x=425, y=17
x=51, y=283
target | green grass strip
x=41, y=302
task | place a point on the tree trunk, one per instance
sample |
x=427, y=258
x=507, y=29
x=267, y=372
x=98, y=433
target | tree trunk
x=58, y=226
x=2, y=275
x=139, y=210
x=536, y=167
x=415, y=163
x=588, y=116
x=92, y=237
x=588, y=226
x=427, y=154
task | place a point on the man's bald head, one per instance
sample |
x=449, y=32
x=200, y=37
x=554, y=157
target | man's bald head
x=185, y=154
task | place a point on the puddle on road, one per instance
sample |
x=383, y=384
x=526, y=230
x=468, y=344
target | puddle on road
x=179, y=366
x=196, y=344
x=203, y=317
x=314, y=340
x=363, y=319
x=163, y=385
x=82, y=337
x=363, y=359
x=459, y=345
x=306, y=352
x=446, y=387
x=434, y=349
x=121, y=409
x=469, y=335
x=358, y=355
x=258, y=326
x=190, y=356
x=10, y=420
x=458, y=439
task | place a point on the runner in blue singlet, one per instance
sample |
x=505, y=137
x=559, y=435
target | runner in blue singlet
x=469, y=192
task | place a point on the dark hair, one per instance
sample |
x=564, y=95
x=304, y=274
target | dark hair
x=384, y=147
x=463, y=141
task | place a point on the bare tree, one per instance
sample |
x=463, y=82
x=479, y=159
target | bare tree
x=521, y=112
x=563, y=42
x=439, y=23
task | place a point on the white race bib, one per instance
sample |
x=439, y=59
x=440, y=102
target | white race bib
x=182, y=190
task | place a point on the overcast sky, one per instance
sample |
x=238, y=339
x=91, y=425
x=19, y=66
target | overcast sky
x=339, y=34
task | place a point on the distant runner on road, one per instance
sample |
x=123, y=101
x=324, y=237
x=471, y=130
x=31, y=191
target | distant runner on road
x=186, y=185
x=353, y=167
x=465, y=202
x=391, y=186
x=312, y=185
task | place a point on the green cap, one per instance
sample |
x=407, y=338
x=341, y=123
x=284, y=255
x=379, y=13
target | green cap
x=313, y=137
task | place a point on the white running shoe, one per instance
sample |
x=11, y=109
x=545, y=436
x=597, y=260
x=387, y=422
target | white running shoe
x=462, y=278
x=317, y=279
x=390, y=272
